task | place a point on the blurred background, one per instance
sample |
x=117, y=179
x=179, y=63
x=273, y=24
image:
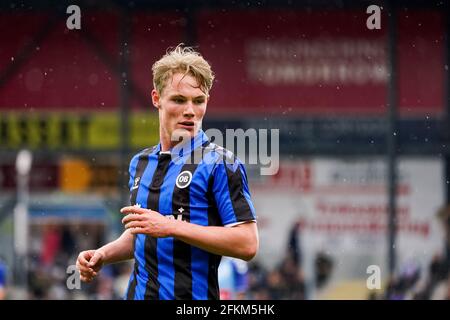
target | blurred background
x=359, y=206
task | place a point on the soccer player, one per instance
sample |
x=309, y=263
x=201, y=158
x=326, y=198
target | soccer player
x=190, y=201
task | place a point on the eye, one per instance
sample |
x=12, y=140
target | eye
x=199, y=101
x=178, y=100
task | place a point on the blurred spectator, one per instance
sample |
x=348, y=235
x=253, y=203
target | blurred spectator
x=286, y=280
x=122, y=278
x=233, y=278
x=324, y=267
x=402, y=286
x=51, y=242
x=68, y=240
x=294, y=247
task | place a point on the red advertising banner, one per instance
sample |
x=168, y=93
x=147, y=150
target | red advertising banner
x=267, y=62
x=288, y=62
x=80, y=69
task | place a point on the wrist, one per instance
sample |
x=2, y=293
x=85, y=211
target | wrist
x=175, y=228
x=103, y=252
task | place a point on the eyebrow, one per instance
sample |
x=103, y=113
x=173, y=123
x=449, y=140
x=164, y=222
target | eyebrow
x=179, y=96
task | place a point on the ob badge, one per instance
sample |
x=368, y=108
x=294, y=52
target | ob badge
x=184, y=179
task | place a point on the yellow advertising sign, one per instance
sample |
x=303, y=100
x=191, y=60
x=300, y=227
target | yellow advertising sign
x=75, y=131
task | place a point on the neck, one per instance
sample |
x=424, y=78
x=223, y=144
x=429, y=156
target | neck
x=166, y=141
x=164, y=138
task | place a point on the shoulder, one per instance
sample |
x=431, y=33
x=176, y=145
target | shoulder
x=223, y=157
x=143, y=153
x=140, y=156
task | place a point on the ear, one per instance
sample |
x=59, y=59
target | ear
x=155, y=99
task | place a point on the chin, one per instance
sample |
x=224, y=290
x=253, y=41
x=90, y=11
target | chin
x=181, y=133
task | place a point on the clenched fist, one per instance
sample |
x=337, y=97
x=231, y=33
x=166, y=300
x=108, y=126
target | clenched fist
x=89, y=263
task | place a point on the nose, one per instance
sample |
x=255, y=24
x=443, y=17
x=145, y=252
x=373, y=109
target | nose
x=189, y=110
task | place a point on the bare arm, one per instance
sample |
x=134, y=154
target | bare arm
x=118, y=250
x=240, y=241
x=90, y=262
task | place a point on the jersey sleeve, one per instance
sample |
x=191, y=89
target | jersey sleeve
x=132, y=170
x=232, y=194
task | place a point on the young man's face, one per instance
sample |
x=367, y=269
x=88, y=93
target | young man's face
x=181, y=105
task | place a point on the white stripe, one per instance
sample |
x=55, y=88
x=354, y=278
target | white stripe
x=238, y=223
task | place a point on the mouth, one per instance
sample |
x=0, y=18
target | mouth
x=187, y=124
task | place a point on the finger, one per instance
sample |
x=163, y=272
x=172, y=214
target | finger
x=85, y=278
x=137, y=231
x=134, y=209
x=89, y=272
x=86, y=274
x=83, y=268
x=135, y=224
x=132, y=217
x=84, y=257
x=96, y=258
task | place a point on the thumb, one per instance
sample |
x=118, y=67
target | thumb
x=96, y=258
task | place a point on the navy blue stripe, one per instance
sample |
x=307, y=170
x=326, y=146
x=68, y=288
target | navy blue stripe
x=142, y=162
x=139, y=251
x=241, y=207
x=151, y=243
x=166, y=271
x=213, y=260
x=181, y=250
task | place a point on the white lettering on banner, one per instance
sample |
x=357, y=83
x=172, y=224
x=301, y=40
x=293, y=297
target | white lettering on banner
x=313, y=62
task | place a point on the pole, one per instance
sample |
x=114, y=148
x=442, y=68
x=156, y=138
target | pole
x=23, y=167
x=392, y=136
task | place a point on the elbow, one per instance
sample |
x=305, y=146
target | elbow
x=250, y=239
x=249, y=254
x=250, y=251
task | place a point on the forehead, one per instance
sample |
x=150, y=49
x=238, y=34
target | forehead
x=180, y=84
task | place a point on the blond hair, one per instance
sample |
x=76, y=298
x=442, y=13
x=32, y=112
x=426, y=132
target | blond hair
x=183, y=60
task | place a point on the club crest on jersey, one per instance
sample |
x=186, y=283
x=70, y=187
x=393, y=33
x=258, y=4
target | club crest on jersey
x=184, y=179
